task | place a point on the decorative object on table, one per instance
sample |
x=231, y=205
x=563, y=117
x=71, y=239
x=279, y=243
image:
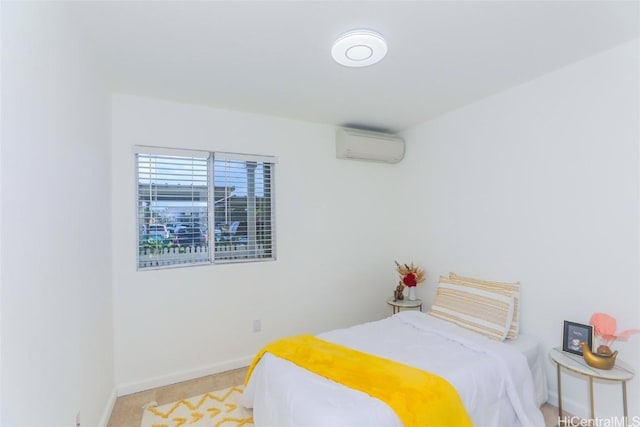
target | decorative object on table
x=597, y=360
x=410, y=276
x=575, y=333
x=398, y=293
x=604, y=328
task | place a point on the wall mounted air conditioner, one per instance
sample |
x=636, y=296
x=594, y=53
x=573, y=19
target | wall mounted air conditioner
x=365, y=145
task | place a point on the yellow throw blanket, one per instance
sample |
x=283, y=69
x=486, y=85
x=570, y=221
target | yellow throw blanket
x=419, y=398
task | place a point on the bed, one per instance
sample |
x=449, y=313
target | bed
x=499, y=383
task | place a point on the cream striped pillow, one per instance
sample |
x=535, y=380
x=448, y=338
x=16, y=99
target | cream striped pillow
x=514, y=329
x=480, y=310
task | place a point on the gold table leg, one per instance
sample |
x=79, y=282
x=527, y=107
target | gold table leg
x=593, y=415
x=624, y=403
x=559, y=394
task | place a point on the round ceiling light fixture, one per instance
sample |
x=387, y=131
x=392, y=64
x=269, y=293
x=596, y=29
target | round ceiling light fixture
x=359, y=48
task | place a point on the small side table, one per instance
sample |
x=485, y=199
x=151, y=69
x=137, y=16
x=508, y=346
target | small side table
x=404, y=303
x=620, y=372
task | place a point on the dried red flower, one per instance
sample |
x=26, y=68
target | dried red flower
x=410, y=275
x=410, y=280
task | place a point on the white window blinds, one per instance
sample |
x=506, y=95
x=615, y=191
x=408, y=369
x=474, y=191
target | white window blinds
x=243, y=206
x=197, y=207
x=173, y=210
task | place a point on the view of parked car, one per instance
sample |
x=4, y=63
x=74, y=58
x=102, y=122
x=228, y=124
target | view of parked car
x=171, y=226
x=189, y=236
x=157, y=231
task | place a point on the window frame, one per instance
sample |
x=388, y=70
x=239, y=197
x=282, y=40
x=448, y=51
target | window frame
x=212, y=244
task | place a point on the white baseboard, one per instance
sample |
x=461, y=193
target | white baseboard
x=128, y=388
x=108, y=409
x=568, y=406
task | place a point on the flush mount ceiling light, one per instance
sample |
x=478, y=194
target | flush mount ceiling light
x=359, y=48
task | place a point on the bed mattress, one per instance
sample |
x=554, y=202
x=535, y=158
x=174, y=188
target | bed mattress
x=493, y=380
x=531, y=348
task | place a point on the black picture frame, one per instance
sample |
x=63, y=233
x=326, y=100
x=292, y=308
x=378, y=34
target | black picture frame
x=574, y=333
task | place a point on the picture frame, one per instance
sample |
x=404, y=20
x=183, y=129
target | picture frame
x=574, y=333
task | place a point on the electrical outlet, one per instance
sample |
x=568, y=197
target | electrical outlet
x=257, y=325
x=78, y=419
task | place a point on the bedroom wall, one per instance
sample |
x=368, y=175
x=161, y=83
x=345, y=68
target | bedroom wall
x=539, y=184
x=57, y=337
x=334, y=264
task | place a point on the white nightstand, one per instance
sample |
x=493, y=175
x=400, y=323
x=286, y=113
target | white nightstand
x=620, y=372
x=404, y=303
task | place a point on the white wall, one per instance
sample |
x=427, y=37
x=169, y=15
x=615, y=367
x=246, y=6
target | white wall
x=540, y=184
x=334, y=267
x=57, y=325
x=1, y=143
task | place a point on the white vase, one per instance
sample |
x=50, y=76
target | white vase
x=412, y=293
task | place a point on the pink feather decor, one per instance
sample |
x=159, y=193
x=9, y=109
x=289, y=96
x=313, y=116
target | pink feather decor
x=604, y=327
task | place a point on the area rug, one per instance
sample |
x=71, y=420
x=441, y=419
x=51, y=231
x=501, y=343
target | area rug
x=214, y=409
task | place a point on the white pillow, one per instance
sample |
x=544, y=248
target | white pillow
x=469, y=306
x=514, y=329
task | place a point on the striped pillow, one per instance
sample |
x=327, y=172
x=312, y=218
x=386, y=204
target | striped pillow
x=480, y=310
x=489, y=285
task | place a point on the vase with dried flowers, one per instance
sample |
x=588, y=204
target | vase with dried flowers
x=410, y=276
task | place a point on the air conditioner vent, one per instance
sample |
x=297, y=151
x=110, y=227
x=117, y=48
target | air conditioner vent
x=357, y=144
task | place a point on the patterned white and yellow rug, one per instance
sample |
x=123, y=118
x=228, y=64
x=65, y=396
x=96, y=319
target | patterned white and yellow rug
x=215, y=409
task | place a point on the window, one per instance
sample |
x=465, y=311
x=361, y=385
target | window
x=199, y=207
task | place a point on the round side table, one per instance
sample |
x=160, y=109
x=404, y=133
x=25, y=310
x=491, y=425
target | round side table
x=573, y=362
x=404, y=303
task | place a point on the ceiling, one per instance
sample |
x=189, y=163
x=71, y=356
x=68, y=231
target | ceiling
x=275, y=57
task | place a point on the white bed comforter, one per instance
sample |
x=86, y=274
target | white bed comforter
x=492, y=379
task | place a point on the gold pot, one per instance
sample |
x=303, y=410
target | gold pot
x=599, y=361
